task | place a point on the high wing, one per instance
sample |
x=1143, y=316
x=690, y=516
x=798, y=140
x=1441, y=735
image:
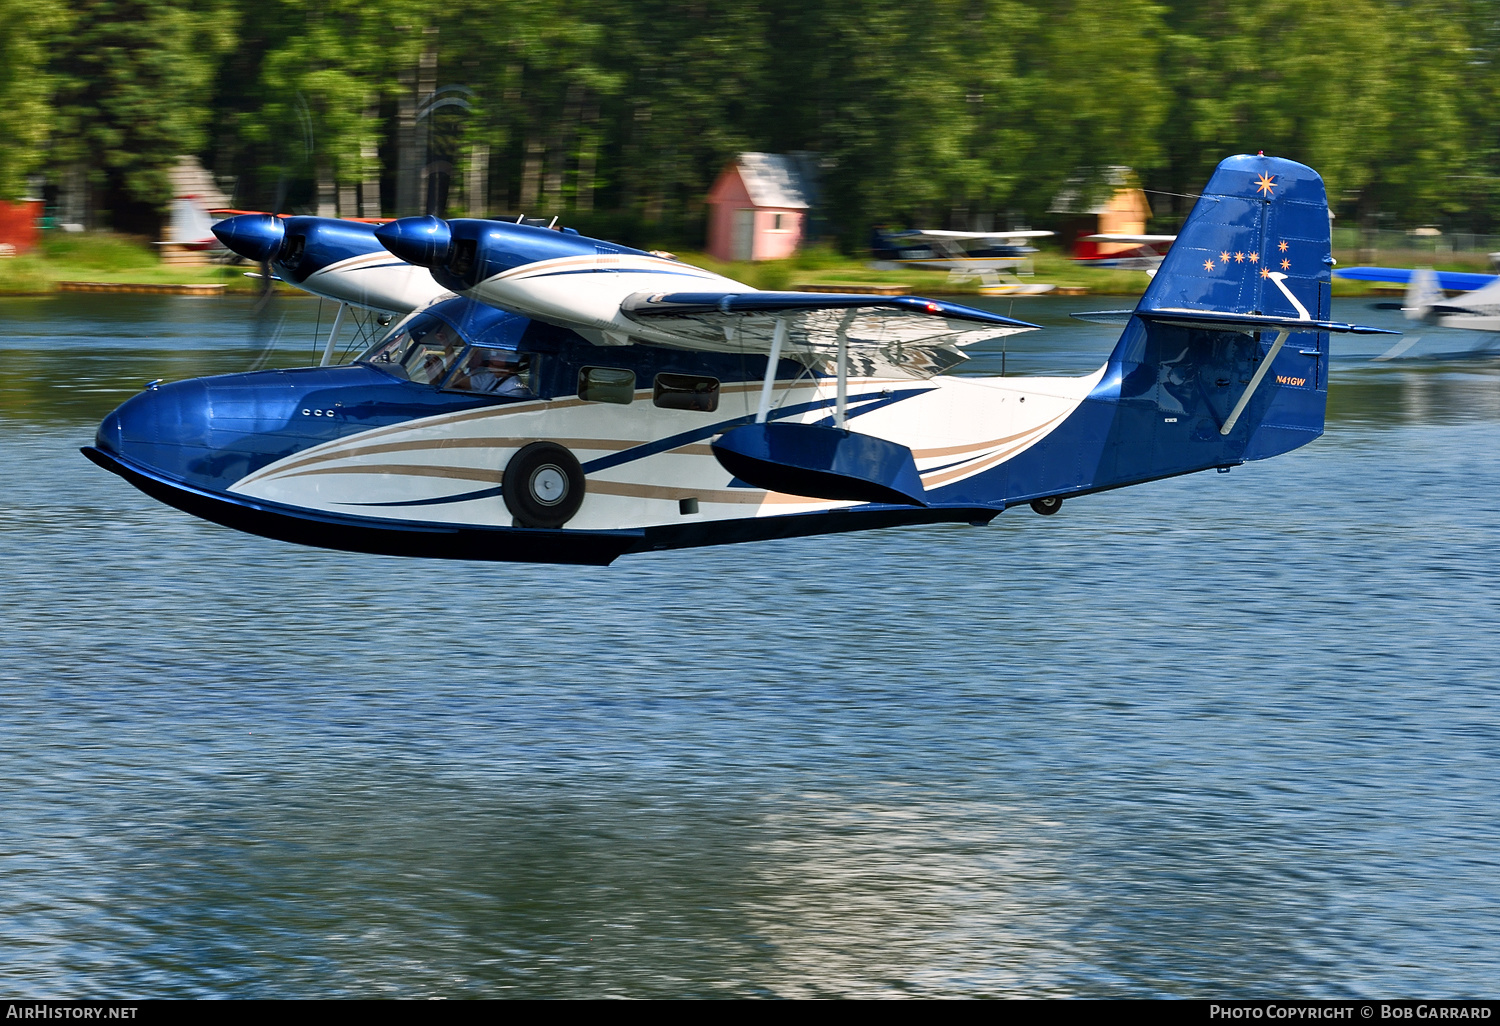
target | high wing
x=1456, y=281
x=882, y=336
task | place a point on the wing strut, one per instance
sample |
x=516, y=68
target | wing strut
x=841, y=403
x=772, y=362
x=333, y=336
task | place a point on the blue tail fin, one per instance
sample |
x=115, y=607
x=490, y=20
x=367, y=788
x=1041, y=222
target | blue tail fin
x=1225, y=358
x=1257, y=243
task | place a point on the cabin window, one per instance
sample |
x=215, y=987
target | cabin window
x=777, y=225
x=606, y=385
x=686, y=392
x=495, y=371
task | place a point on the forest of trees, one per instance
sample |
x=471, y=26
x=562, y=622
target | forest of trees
x=619, y=116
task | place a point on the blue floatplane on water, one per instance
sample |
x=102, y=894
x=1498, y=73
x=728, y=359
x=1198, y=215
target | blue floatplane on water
x=548, y=397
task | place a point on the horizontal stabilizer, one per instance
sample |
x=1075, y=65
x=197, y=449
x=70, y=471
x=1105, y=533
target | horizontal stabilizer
x=1250, y=323
x=1104, y=316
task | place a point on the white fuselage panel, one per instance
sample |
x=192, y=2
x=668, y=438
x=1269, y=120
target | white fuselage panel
x=447, y=468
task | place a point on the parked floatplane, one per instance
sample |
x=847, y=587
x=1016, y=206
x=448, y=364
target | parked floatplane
x=573, y=400
x=994, y=259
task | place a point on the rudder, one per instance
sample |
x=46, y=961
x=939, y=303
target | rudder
x=1257, y=217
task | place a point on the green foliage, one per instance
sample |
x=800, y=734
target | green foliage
x=97, y=251
x=952, y=112
x=134, y=84
x=322, y=68
x=25, y=87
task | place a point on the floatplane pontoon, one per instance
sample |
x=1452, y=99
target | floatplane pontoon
x=555, y=398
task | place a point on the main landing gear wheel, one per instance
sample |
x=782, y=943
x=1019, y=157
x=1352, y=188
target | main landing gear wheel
x=542, y=485
x=1048, y=506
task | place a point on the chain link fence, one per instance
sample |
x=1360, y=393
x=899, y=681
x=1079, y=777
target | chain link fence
x=1423, y=247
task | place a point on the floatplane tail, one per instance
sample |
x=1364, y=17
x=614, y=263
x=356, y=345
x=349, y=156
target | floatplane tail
x=1225, y=357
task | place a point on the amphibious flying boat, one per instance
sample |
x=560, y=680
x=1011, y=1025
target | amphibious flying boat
x=576, y=400
x=1477, y=308
x=995, y=259
x=1121, y=252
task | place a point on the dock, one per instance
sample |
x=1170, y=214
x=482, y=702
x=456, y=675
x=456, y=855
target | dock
x=140, y=289
x=857, y=290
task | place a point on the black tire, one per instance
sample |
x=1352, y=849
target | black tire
x=1048, y=506
x=543, y=485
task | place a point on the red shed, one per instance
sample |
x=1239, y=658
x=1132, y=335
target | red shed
x=758, y=207
x=18, y=224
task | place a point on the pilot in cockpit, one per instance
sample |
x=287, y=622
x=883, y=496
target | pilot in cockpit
x=497, y=372
x=438, y=347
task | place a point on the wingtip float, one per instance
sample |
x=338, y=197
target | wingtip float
x=553, y=398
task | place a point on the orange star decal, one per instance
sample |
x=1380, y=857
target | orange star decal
x=1264, y=273
x=1282, y=246
x=1254, y=258
x=1239, y=258
x=1286, y=265
x=1224, y=257
x=1208, y=265
x=1265, y=184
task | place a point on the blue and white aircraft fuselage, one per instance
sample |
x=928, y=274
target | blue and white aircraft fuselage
x=577, y=400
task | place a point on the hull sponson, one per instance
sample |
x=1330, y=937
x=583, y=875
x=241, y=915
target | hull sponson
x=359, y=534
x=503, y=544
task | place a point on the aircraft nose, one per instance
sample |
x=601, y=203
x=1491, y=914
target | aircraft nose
x=257, y=237
x=158, y=427
x=423, y=241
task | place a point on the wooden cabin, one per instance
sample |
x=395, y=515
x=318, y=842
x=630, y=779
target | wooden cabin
x=1120, y=207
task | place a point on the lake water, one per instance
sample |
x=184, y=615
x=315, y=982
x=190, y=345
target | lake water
x=1225, y=735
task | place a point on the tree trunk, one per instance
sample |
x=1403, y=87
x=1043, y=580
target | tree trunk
x=426, y=86
x=477, y=191
x=531, y=175
x=74, y=199
x=562, y=134
x=369, y=159
x=327, y=192
x=406, y=143
x=588, y=157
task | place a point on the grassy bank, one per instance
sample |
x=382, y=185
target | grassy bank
x=104, y=257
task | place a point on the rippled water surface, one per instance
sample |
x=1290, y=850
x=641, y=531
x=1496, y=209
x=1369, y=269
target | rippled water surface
x=1221, y=735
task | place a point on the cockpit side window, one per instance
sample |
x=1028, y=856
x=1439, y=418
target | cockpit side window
x=423, y=351
x=495, y=371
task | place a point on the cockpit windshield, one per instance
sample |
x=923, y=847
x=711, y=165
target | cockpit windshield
x=421, y=350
